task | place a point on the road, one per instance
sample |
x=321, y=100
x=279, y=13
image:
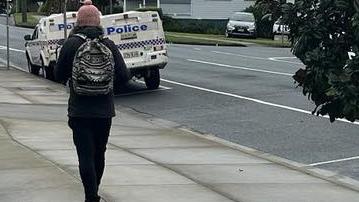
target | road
x=244, y=95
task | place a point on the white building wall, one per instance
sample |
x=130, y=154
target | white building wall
x=177, y=9
x=218, y=9
x=204, y=9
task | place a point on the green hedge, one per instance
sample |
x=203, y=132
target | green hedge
x=31, y=20
x=199, y=26
x=115, y=9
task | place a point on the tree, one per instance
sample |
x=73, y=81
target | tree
x=24, y=10
x=55, y=6
x=322, y=34
x=266, y=13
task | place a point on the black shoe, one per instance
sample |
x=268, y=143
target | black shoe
x=95, y=199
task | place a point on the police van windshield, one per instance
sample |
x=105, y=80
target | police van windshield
x=245, y=17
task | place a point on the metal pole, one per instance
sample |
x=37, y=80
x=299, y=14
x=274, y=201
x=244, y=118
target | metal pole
x=144, y=3
x=65, y=20
x=124, y=5
x=282, y=34
x=158, y=4
x=7, y=35
x=111, y=7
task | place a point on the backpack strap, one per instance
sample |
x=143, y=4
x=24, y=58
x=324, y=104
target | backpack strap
x=82, y=36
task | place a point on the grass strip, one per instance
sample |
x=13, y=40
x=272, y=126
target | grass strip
x=32, y=20
x=198, y=41
x=176, y=37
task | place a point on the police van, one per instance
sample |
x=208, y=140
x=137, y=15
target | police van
x=41, y=47
x=138, y=35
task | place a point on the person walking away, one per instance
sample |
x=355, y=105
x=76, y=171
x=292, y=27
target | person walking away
x=88, y=62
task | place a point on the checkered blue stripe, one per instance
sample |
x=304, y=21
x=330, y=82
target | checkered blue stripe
x=56, y=41
x=124, y=46
x=140, y=44
x=44, y=43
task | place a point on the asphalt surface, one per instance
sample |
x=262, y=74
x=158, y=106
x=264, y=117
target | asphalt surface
x=245, y=95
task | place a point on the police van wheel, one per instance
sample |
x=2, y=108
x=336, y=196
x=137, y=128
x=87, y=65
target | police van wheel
x=49, y=72
x=32, y=68
x=152, y=79
x=227, y=35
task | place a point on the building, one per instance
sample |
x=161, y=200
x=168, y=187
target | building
x=203, y=9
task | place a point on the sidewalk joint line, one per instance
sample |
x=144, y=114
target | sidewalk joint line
x=167, y=166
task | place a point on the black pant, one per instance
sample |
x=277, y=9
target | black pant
x=90, y=136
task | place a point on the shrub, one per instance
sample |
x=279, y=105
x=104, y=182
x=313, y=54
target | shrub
x=266, y=12
x=200, y=26
x=115, y=9
x=322, y=34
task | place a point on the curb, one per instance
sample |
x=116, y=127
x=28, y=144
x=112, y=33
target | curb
x=24, y=25
x=205, y=44
x=235, y=43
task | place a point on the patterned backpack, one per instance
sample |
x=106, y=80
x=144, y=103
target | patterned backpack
x=93, y=68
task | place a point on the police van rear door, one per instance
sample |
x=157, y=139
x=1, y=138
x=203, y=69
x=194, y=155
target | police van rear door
x=135, y=34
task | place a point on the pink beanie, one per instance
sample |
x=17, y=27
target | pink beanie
x=88, y=15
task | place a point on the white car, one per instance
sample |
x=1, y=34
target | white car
x=241, y=24
x=280, y=29
x=351, y=55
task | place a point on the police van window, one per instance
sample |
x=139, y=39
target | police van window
x=35, y=34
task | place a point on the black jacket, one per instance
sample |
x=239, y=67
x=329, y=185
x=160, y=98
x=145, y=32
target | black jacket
x=88, y=106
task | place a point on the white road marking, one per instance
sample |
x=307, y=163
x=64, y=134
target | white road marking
x=334, y=161
x=198, y=49
x=12, y=65
x=239, y=67
x=276, y=59
x=280, y=59
x=12, y=49
x=239, y=55
x=251, y=99
x=163, y=87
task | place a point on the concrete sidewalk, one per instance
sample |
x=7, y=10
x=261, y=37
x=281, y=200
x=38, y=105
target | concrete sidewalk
x=148, y=159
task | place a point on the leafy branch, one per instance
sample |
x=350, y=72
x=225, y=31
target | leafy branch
x=322, y=34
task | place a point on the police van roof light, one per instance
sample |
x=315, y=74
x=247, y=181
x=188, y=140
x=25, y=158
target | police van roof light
x=125, y=16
